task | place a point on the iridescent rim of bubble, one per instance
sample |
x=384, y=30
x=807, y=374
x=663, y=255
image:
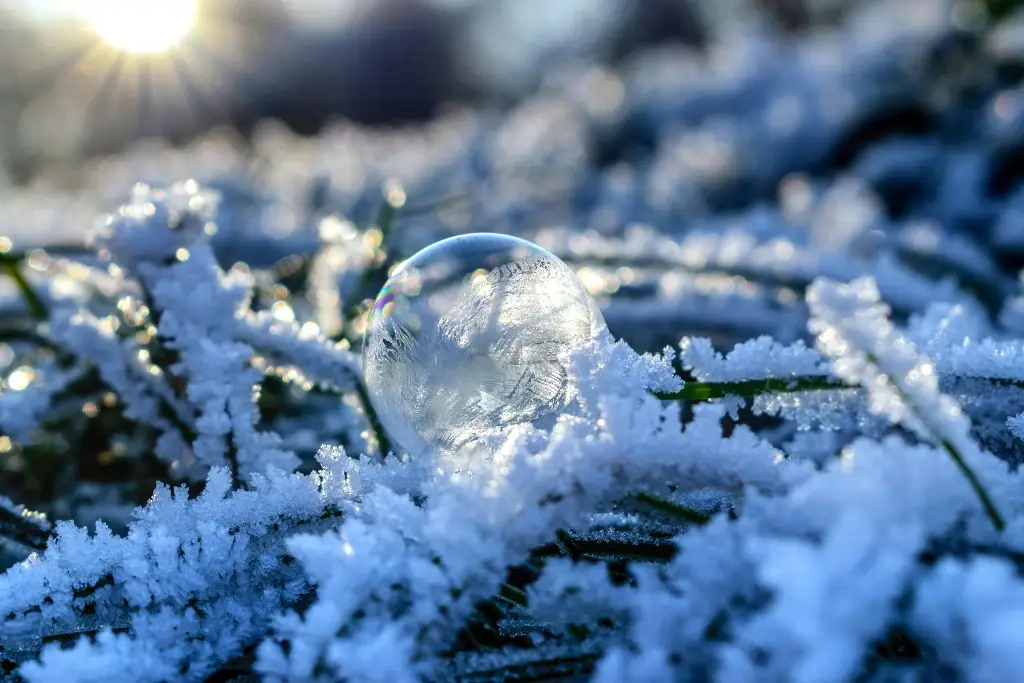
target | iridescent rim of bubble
x=395, y=285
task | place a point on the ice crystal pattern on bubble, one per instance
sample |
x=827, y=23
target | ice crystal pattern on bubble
x=466, y=337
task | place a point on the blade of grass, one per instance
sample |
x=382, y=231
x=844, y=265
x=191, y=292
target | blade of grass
x=36, y=306
x=706, y=391
x=979, y=489
x=672, y=509
x=383, y=443
x=386, y=215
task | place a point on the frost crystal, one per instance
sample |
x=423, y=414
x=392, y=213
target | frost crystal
x=820, y=483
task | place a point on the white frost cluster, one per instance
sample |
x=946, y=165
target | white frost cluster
x=174, y=301
x=821, y=565
x=847, y=506
x=759, y=358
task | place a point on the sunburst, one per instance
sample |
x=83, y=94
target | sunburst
x=141, y=26
x=142, y=69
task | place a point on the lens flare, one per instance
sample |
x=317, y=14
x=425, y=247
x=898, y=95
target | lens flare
x=144, y=26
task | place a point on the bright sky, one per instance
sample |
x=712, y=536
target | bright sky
x=149, y=26
x=130, y=25
x=141, y=25
x=305, y=11
x=43, y=10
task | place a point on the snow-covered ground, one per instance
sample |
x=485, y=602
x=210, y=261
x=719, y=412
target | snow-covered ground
x=792, y=456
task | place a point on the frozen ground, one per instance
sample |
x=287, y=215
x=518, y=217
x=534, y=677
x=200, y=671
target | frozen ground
x=815, y=479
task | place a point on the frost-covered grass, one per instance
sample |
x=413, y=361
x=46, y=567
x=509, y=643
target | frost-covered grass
x=793, y=455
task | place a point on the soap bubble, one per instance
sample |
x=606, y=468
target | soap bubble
x=465, y=337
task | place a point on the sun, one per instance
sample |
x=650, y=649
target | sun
x=141, y=25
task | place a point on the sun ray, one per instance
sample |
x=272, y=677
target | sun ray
x=107, y=85
x=205, y=90
x=215, y=73
x=172, y=95
x=80, y=59
x=123, y=92
x=185, y=90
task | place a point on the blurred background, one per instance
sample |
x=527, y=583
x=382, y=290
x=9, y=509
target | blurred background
x=82, y=77
x=85, y=77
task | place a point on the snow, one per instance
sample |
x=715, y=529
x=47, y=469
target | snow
x=855, y=302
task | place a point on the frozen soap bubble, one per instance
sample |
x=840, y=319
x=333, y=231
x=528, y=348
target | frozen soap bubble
x=465, y=337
